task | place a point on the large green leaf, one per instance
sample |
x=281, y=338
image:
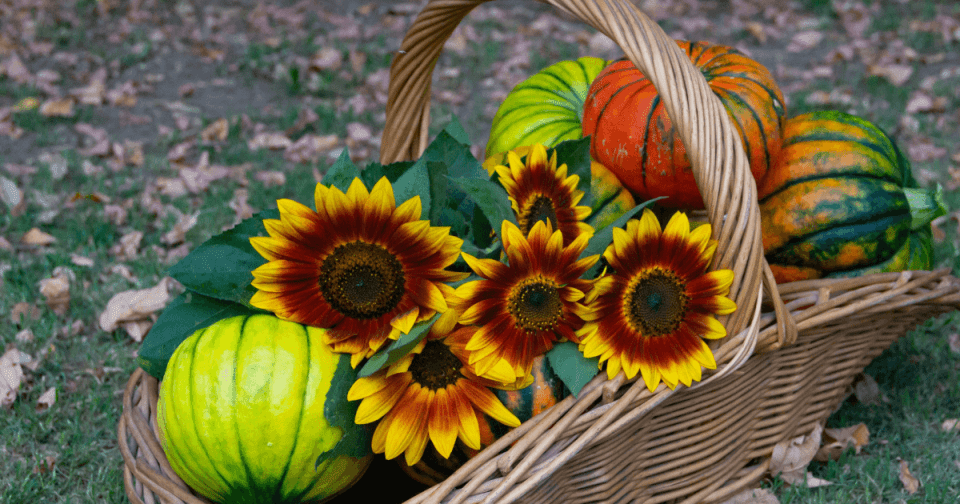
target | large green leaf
x=455, y=129
x=415, y=182
x=571, y=366
x=342, y=173
x=341, y=413
x=221, y=266
x=398, y=348
x=373, y=172
x=489, y=197
x=187, y=313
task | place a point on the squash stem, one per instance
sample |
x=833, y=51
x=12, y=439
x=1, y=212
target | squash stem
x=925, y=205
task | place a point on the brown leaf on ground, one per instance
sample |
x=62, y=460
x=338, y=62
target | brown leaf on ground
x=128, y=246
x=950, y=425
x=93, y=92
x=271, y=178
x=134, y=306
x=5, y=245
x=326, y=58
x=804, y=41
x=12, y=196
x=198, y=179
x=791, y=457
x=35, y=237
x=866, y=390
x=836, y=441
x=46, y=466
x=124, y=95
x=11, y=375
x=171, y=187
x=910, y=483
x=216, y=132
x=855, y=18
x=7, y=126
x=23, y=312
x=954, y=341
x=240, y=205
x=920, y=101
x=62, y=107
x=896, y=73
x=272, y=141
x=47, y=399
x=56, y=291
x=922, y=149
x=753, y=496
x=305, y=117
x=14, y=68
x=24, y=336
x=99, y=142
x=309, y=148
x=178, y=233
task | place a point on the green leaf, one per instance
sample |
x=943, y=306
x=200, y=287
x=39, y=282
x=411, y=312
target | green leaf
x=342, y=173
x=576, y=155
x=341, y=413
x=221, y=266
x=460, y=162
x=398, y=348
x=373, y=172
x=602, y=238
x=415, y=182
x=490, y=197
x=571, y=366
x=455, y=129
x=187, y=313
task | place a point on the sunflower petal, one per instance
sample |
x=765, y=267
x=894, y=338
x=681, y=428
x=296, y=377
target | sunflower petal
x=442, y=423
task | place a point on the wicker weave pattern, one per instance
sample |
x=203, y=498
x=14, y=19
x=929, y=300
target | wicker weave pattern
x=791, y=353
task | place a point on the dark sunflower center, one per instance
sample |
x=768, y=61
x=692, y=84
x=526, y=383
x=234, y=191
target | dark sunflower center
x=542, y=209
x=362, y=280
x=658, y=302
x=536, y=305
x=436, y=366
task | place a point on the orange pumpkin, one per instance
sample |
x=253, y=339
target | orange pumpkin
x=633, y=137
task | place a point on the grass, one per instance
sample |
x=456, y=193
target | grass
x=918, y=375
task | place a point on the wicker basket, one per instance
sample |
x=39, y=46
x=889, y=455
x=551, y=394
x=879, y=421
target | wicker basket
x=790, y=355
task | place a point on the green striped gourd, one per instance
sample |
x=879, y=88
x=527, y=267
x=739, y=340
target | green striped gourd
x=546, y=108
x=253, y=409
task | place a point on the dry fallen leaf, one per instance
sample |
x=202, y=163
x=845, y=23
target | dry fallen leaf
x=56, y=290
x=80, y=260
x=753, y=496
x=273, y=141
x=128, y=246
x=47, y=399
x=271, y=178
x=216, y=132
x=57, y=108
x=326, y=58
x=309, y=148
x=46, y=465
x=835, y=441
x=134, y=305
x=24, y=336
x=950, y=425
x=36, y=237
x=791, y=457
x=804, y=41
x=23, y=312
x=897, y=74
x=178, y=233
x=11, y=375
x=954, y=341
x=12, y=196
x=910, y=483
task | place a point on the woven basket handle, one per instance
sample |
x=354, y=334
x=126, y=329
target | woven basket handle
x=720, y=166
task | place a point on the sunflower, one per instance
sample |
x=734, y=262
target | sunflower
x=360, y=266
x=541, y=191
x=524, y=306
x=430, y=394
x=651, y=313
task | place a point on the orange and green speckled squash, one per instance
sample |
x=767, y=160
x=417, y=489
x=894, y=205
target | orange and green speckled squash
x=841, y=201
x=546, y=390
x=633, y=137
